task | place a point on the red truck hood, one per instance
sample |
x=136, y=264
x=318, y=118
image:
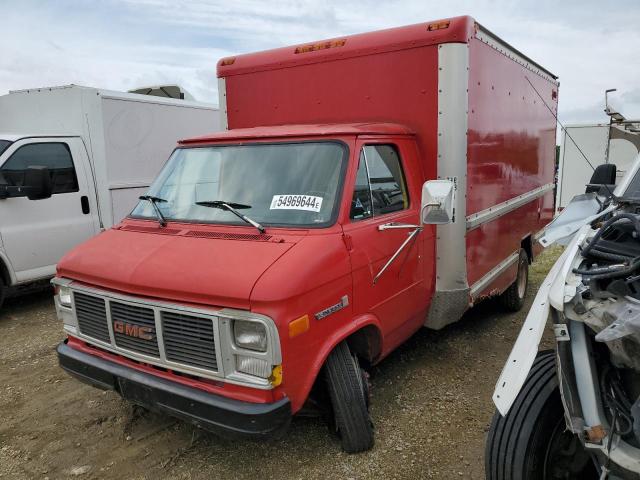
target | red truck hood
x=211, y=271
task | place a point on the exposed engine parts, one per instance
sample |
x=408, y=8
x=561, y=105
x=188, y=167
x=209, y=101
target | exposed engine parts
x=608, y=301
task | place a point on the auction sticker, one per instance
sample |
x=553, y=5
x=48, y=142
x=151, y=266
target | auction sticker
x=296, y=202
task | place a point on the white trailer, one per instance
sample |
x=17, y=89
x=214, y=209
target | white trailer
x=614, y=143
x=101, y=150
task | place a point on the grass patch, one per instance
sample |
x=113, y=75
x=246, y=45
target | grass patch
x=543, y=263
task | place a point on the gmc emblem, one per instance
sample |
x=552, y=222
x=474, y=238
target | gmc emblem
x=145, y=333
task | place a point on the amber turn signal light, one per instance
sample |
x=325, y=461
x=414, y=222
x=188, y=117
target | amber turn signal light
x=275, y=379
x=298, y=326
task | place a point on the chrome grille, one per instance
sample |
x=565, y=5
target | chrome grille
x=133, y=317
x=92, y=316
x=186, y=340
x=189, y=339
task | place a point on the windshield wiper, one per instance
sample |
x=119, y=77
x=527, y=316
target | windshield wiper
x=154, y=201
x=231, y=207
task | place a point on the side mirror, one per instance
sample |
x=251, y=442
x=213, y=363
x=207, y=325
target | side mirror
x=604, y=176
x=38, y=183
x=437, y=202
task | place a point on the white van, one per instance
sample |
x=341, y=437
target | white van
x=73, y=161
x=615, y=143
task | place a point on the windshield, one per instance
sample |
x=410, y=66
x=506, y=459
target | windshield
x=3, y=145
x=275, y=184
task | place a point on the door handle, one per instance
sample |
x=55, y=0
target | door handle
x=395, y=225
x=84, y=202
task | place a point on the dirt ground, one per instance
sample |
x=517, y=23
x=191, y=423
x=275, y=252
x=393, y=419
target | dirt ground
x=431, y=407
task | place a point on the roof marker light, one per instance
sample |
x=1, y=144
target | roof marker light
x=438, y=25
x=312, y=47
x=227, y=61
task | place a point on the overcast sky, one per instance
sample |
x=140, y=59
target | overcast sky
x=123, y=44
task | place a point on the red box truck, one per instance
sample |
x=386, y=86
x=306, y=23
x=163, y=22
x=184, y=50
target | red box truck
x=367, y=186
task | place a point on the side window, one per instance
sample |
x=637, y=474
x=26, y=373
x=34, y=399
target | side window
x=380, y=184
x=55, y=156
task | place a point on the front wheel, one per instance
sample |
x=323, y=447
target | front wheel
x=3, y=292
x=348, y=390
x=531, y=442
x=513, y=297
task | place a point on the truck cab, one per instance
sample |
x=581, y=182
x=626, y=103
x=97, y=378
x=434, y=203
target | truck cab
x=57, y=213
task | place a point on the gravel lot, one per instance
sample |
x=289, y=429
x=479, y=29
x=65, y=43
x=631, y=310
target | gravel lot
x=431, y=407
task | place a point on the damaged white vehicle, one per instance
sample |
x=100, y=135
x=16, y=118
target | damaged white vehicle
x=574, y=413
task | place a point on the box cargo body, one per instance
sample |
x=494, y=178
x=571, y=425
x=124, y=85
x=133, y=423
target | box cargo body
x=600, y=143
x=115, y=142
x=391, y=133
x=466, y=95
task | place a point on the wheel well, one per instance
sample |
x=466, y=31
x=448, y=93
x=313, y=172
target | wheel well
x=366, y=343
x=527, y=245
x=4, y=274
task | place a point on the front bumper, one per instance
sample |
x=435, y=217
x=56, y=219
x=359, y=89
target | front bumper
x=211, y=412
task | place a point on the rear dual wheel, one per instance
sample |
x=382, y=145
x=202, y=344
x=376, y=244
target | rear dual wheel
x=349, y=392
x=512, y=299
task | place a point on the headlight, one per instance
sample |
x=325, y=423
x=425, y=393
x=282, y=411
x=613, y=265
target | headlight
x=250, y=335
x=64, y=296
x=253, y=366
x=251, y=347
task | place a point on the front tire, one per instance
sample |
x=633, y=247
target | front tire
x=3, y=292
x=512, y=299
x=348, y=391
x=531, y=442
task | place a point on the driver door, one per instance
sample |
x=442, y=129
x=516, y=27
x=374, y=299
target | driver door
x=384, y=194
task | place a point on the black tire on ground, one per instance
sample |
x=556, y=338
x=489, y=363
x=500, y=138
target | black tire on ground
x=3, y=292
x=531, y=442
x=512, y=299
x=349, y=398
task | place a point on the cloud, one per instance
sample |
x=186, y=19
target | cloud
x=123, y=44
x=631, y=96
x=84, y=49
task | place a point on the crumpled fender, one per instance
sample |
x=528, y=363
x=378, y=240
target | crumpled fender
x=523, y=354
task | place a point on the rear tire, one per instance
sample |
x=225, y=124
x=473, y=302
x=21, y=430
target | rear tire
x=512, y=299
x=348, y=391
x=531, y=441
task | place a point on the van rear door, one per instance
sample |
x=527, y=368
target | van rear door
x=36, y=233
